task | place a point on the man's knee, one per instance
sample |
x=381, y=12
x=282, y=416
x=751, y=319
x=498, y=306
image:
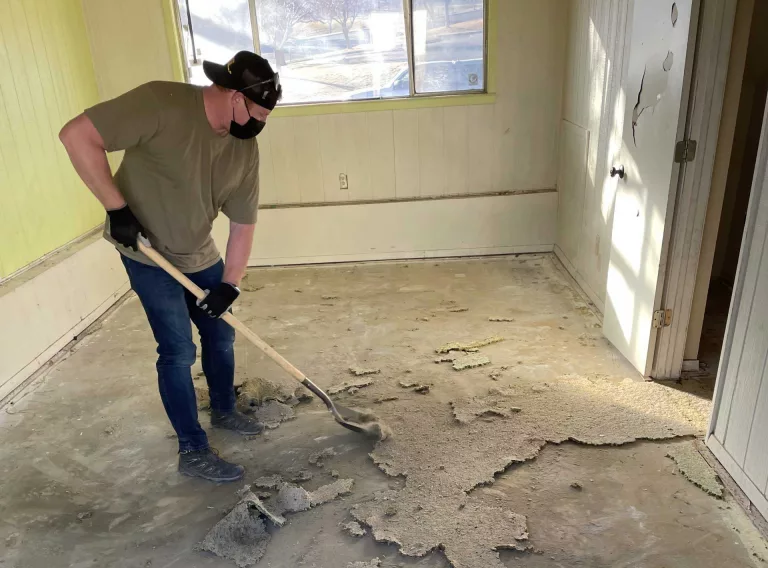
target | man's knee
x=220, y=339
x=177, y=354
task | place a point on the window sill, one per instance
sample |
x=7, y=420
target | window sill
x=310, y=109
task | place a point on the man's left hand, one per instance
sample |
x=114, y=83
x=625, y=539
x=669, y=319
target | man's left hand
x=217, y=301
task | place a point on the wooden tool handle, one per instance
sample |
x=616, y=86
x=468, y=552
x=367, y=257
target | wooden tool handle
x=157, y=258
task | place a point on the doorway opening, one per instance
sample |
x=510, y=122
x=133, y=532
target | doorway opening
x=707, y=329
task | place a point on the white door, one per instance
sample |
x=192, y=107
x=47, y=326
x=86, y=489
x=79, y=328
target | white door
x=661, y=35
x=738, y=433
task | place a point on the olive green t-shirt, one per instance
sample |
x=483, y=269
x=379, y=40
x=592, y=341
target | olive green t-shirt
x=177, y=172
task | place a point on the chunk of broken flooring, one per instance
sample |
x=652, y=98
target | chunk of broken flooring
x=317, y=458
x=471, y=346
x=361, y=372
x=695, y=468
x=348, y=385
x=272, y=413
x=471, y=361
x=332, y=491
x=375, y=563
x=353, y=528
x=256, y=391
x=433, y=510
x=294, y=499
x=241, y=536
x=416, y=387
x=268, y=482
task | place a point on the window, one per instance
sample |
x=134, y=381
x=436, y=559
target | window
x=345, y=50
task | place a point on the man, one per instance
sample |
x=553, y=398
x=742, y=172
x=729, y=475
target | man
x=190, y=152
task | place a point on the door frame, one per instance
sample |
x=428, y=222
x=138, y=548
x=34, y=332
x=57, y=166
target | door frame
x=759, y=182
x=705, y=106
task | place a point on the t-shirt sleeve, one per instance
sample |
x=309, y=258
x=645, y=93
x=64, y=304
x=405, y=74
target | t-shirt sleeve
x=242, y=205
x=128, y=120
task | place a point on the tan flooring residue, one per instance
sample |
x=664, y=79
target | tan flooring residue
x=695, y=468
x=480, y=470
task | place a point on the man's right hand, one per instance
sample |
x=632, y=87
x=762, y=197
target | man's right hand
x=124, y=227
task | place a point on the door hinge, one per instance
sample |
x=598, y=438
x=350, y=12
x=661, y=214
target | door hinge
x=685, y=151
x=662, y=318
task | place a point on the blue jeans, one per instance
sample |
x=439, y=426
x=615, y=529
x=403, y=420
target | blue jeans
x=169, y=308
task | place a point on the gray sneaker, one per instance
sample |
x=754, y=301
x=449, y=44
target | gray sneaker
x=237, y=422
x=208, y=465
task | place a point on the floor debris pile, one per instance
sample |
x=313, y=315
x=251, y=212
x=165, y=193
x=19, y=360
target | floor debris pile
x=242, y=536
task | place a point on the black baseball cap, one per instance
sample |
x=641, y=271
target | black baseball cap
x=249, y=74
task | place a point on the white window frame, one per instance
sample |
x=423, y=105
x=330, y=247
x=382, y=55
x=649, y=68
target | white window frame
x=408, y=16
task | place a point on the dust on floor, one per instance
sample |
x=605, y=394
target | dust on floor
x=450, y=488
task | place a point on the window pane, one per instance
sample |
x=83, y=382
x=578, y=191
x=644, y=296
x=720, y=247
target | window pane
x=331, y=50
x=219, y=30
x=448, y=45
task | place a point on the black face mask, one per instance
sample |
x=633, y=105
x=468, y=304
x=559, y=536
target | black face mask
x=248, y=130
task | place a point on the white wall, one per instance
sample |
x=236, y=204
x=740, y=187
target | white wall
x=591, y=133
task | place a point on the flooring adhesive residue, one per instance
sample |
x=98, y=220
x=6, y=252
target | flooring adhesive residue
x=495, y=404
x=361, y=372
x=436, y=509
x=695, y=468
x=471, y=346
x=349, y=386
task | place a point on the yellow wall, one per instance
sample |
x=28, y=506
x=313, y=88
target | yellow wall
x=129, y=44
x=46, y=78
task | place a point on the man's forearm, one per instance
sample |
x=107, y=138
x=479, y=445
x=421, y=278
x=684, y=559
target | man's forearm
x=238, y=251
x=86, y=151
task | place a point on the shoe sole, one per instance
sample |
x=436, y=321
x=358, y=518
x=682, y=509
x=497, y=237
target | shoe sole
x=214, y=480
x=241, y=432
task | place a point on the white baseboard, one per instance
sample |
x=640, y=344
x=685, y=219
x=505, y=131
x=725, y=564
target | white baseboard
x=594, y=298
x=45, y=308
x=691, y=365
x=472, y=226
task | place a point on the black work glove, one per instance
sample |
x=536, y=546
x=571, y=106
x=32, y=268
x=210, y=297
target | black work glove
x=219, y=300
x=124, y=227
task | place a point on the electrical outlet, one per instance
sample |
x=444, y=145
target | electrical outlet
x=343, y=181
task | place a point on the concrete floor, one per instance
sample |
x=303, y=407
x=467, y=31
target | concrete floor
x=92, y=439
